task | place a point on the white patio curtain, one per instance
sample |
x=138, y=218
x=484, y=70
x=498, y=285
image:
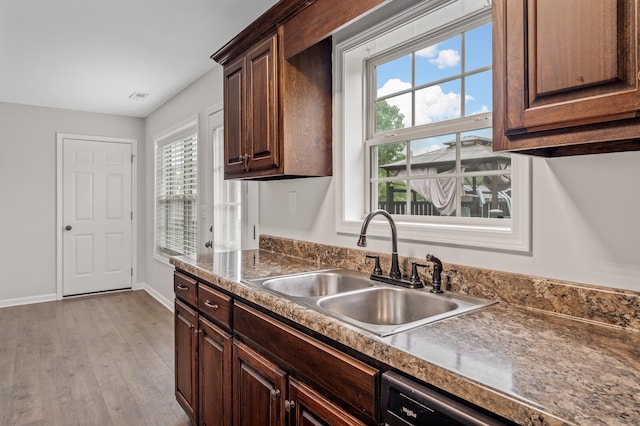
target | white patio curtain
x=440, y=192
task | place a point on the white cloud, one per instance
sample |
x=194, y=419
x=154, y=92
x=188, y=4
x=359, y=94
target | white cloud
x=432, y=104
x=446, y=58
x=393, y=85
x=429, y=52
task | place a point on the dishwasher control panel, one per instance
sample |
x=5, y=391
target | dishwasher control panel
x=405, y=402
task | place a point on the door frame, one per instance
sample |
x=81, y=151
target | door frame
x=60, y=137
x=250, y=228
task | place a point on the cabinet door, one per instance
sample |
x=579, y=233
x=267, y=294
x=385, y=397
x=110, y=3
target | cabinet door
x=215, y=346
x=186, y=359
x=308, y=408
x=560, y=64
x=258, y=389
x=262, y=105
x=234, y=116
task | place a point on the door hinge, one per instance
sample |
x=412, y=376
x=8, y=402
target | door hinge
x=131, y=214
x=131, y=271
x=132, y=157
x=254, y=232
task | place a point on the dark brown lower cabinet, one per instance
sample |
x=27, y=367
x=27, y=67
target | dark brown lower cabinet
x=309, y=408
x=215, y=351
x=186, y=358
x=237, y=365
x=263, y=394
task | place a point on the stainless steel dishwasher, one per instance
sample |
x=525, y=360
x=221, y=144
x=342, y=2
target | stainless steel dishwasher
x=406, y=402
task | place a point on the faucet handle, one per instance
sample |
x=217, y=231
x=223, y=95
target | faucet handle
x=415, y=278
x=377, y=270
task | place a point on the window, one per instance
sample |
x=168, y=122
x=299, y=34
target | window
x=177, y=192
x=420, y=85
x=431, y=92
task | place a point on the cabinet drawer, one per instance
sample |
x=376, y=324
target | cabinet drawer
x=347, y=379
x=215, y=305
x=185, y=288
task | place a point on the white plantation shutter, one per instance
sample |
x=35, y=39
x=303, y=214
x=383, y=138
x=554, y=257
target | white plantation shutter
x=177, y=196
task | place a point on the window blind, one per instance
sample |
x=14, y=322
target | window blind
x=177, y=196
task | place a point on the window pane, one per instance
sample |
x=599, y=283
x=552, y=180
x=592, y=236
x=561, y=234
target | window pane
x=487, y=196
x=438, y=103
x=478, y=48
x=433, y=155
x=394, y=76
x=422, y=146
x=478, y=97
x=392, y=197
x=389, y=116
x=393, y=113
x=388, y=159
x=439, y=61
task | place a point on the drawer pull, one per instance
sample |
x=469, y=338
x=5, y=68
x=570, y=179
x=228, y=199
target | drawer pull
x=209, y=305
x=182, y=287
x=275, y=393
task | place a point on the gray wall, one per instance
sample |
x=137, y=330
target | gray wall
x=585, y=225
x=28, y=200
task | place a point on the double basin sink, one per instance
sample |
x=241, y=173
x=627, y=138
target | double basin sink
x=379, y=308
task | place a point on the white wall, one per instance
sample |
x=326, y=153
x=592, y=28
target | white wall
x=28, y=194
x=198, y=98
x=586, y=225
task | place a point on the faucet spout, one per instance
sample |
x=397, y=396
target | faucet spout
x=362, y=241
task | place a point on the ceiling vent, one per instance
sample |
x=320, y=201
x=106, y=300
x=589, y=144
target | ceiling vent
x=138, y=96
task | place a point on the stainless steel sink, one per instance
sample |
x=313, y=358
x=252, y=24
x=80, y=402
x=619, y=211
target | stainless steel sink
x=379, y=308
x=388, y=306
x=317, y=283
x=389, y=310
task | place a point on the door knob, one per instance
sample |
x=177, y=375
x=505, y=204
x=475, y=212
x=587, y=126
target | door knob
x=208, y=244
x=68, y=227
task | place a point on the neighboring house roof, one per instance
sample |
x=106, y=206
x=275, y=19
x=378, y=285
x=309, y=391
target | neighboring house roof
x=474, y=150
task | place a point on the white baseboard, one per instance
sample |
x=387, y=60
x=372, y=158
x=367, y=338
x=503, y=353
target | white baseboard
x=155, y=294
x=27, y=300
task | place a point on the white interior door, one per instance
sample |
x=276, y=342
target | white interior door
x=96, y=216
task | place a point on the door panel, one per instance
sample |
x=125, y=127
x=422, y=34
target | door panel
x=258, y=387
x=215, y=346
x=186, y=359
x=97, y=213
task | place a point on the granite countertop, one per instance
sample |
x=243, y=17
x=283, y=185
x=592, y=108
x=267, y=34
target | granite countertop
x=530, y=366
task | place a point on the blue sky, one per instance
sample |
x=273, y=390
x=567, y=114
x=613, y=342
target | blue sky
x=441, y=61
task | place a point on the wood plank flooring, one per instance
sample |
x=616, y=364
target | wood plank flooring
x=96, y=360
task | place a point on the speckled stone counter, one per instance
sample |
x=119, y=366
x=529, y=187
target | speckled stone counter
x=531, y=366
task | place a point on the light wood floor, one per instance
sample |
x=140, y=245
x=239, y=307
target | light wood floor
x=98, y=360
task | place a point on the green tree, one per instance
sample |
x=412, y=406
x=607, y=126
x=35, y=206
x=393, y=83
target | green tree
x=389, y=117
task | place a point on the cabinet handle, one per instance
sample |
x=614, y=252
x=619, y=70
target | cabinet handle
x=289, y=406
x=208, y=304
x=245, y=161
x=275, y=393
x=182, y=287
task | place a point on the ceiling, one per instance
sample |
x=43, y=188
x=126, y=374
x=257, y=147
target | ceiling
x=91, y=55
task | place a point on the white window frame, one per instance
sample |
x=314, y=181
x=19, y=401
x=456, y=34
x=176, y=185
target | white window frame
x=181, y=131
x=352, y=179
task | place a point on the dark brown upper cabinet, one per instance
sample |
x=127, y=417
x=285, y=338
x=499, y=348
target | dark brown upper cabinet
x=566, y=76
x=278, y=90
